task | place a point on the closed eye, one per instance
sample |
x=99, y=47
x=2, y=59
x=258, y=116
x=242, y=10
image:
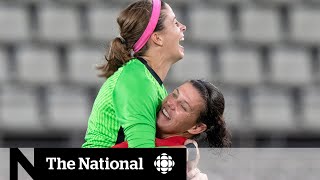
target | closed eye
x=184, y=108
x=184, y=104
x=175, y=21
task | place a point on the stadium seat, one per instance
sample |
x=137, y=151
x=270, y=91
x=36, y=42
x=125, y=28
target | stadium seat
x=37, y=65
x=75, y=2
x=311, y=109
x=290, y=67
x=267, y=48
x=305, y=25
x=272, y=110
x=3, y=67
x=210, y=25
x=229, y=1
x=19, y=110
x=181, y=2
x=59, y=25
x=195, y=65
x=14, y=24
x=68, y=108
x=24, y=2
x=260, y=25
x=103, y=23
x=81, y=63
x=316, y=2
x=317, y=74
x=278, y=2
x=241, y=67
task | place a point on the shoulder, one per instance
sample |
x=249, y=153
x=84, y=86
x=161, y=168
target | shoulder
x=134, y=75
x=133, y=66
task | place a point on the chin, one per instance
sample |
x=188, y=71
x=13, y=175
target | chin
x=181, y=54
x=179, y=57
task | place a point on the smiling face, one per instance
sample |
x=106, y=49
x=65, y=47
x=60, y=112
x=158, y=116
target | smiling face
x=172, y=35
x=180, y=111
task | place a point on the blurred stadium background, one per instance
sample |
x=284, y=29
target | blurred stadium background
x=263, y=54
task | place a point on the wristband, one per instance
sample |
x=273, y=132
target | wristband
x=192, y=151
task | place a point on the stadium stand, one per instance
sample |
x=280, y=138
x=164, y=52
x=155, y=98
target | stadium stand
x=102, y=23
x=37, y=65
x=4, y=68
x=209, y=25
x=59, y=24
x=19, y=109
x=241, y=67
x=67, y=108
x=290, y=67
x=14, y=24
x=81, y=64
x=263, y=54
x=260, y=25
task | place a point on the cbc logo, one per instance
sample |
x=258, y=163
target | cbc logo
x=164, y=163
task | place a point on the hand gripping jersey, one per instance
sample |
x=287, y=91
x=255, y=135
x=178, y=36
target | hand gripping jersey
x=130, y=99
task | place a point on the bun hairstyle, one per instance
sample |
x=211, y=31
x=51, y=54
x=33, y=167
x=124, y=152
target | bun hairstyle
x=217, y=134
x=132, y=23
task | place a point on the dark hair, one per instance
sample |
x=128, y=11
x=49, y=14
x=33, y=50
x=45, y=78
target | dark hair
x=217, y=134
x=132, y=22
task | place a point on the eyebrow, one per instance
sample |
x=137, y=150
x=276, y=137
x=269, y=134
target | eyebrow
x=184, y=100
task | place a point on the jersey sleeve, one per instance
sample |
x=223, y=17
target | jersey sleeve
x=135, y=100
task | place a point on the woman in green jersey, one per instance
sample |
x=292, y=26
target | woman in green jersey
x=137, y=63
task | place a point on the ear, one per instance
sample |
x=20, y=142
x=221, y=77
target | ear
x=156, y=38
x=197, y=129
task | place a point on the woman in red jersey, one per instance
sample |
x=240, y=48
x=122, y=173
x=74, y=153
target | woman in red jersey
x=194, y=110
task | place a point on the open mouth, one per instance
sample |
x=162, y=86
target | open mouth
x=181, y=41
x=165, y=112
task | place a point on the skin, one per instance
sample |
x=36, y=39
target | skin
x=171, y=36
x=164, y=46
x=179, y=113
x=178, y=117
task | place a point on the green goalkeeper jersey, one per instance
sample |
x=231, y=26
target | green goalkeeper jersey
x=130, y=99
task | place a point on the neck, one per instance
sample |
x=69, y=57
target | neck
x=159, y=64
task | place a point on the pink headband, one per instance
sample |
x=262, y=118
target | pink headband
x=156, y=7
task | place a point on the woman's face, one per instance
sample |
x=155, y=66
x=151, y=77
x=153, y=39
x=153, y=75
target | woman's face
x=180, y=110
x=172, y=35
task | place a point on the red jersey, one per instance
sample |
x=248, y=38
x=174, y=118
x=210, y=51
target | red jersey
x=171, y=141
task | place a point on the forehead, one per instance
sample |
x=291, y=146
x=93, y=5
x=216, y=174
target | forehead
x=192, y=95
x=168, y=12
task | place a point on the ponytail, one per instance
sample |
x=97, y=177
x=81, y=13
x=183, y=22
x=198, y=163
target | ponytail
x=117, y=56
x=218, y=135
x=132, y=22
